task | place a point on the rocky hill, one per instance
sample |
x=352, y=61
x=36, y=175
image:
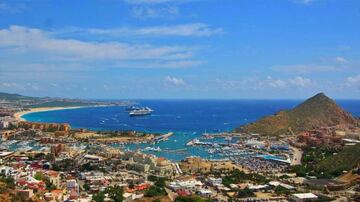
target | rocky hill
x=316, y=112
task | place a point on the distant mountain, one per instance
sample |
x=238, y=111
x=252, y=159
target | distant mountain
x=318, y=111
x=10, y=96
x=18, y=101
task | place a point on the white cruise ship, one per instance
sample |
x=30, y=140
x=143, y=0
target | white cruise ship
x=141, y=111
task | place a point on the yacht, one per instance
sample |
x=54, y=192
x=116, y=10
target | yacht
x=24, y=149
x=155, y=149
x=131, y=108
x=141, y=111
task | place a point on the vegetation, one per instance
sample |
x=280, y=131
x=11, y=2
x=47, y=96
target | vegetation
x=64, y=165
x=39, y=176
x=115, y=193
x=346, y=159
x=158, y=181
x=35, y=102
x=155, y=191
x=245, y=193
x=318, y=111
x=279, y=190
x=190, y=199
x=311, y=158
x=158, y=188
x=8, y=181
x=59, y=104
x=325, y=162
x=86, y=187
x=99, y=197
x=236, y=176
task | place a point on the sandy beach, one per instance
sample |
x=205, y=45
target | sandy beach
x=18, y=115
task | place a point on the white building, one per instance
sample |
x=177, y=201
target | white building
x=214, y=181
x=189, y=185
x=303, y=197
x=205, y=193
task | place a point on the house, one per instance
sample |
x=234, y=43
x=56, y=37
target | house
x=54, y=178
x=205, y=193
x=303, y=197
x=214, y=181
x=25, y=193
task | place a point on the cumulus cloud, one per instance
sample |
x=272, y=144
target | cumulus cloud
x=353, y=80
x=275, y=83
x=300, y=81
x=341, y=60
x=174, y=81
x=29, y=40
x=193, y=29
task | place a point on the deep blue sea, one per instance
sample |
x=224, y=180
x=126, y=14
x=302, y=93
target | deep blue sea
x=188, y=119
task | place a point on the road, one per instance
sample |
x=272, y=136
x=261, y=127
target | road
x=297, y=155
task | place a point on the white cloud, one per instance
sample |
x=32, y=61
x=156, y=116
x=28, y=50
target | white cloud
x=352, y=81
x=27, y=40
x=194, y=29
x=275, y=83
x=341, y=60
x=155, y=12
x=174, y=81
x=300, y=82
x=305, y=68
x=8, y=85
x=165, y=64
x=267, y=83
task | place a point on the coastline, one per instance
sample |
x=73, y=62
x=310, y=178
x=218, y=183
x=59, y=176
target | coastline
x=18, y=115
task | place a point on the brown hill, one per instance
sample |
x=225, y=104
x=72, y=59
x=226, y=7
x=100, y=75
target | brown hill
x=316, y=112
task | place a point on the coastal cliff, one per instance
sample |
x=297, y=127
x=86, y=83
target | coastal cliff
x=316, y=112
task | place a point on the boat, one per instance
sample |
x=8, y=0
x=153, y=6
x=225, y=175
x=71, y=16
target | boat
x=193, y=142
x=211, y=151
x=141, y=111
x=24, y=149
x=131, y=108
x=155, y=149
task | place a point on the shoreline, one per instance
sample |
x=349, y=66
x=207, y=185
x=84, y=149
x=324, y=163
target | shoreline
x=18, y=115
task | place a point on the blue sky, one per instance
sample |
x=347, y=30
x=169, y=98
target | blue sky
x=231, y=49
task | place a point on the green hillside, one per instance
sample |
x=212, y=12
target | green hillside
x=346, y=159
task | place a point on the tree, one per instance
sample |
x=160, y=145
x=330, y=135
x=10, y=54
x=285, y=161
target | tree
x=99, y=197
x=280, y=190
x=39, y=176
x=50, y=157
x=116, y=193
x=155, y=191
x=86, y=187
x=244, y=193
x=49, y=186
x=160, y=182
